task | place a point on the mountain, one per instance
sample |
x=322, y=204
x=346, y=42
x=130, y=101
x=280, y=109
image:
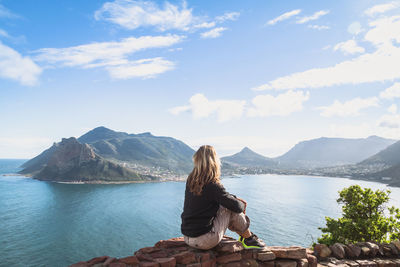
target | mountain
x=248, y=158
x=145, y=149
x=325, y=152
x=389, y=156
x=101, y=133
x=70, y=160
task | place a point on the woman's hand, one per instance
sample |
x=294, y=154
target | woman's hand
x=244, y=202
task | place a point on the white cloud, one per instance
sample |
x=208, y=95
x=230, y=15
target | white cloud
x=284, y=16
x=348, y=108
x=205, y=25
x=227, y=16
x=134, y=14
x=382, y=8
x=390, y=121
x=392, y=109
x=178, y=110
x=378, y=66
x=384, y=31
x=349, y=47
x=391, y=92
x=201, y=107
x=3, y=33
x=146, y=68
x=355, y=28
x=214, y=33
x=114, y=56
x=14, y=66
x=319, y=27
x=5, y=13
x=280, y=105
x=314, y=16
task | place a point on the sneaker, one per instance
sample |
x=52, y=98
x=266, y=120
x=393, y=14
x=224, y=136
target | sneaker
x=252, y=242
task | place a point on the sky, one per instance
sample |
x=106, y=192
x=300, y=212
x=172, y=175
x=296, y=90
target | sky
x=261, y=74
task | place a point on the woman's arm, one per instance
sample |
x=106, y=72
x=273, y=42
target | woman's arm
x=227, y=200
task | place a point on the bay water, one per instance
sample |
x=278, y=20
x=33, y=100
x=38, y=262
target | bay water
x=53, y=224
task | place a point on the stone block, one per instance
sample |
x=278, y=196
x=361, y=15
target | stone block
x=397, y=244
x=352, y=251
x=351, y=263
x=249, y=263
x=229, y=246
x=131, y=260
x=203, y=256
x=232, y=264
x=148, y=250
x=395, y=250
x=289, y=252
x=185, y=257
x=148, y=264
x=267, y=264
x=117, y=264
x=209, y=263
x=229, y=258
x=385, y=263
x=249, y=254
x=366, y=263
x=322, y=251
x=338, y=250
x=266, y=256
x=397, y=261
x=337, y=265
x=312, y=260
x=97, y=260
x=108, y=261
x=166, y=262
x=365, y=251
x=374, y=248
x=285, y=263
x=171, y=243
x=302, y=263
x=159, y=254
x=194, y=265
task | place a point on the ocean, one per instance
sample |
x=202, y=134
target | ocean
x=53, y=224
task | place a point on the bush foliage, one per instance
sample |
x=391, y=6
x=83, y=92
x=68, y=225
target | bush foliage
x=365, y=218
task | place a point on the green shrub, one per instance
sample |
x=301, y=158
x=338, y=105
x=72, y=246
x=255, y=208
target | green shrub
x=365, y=218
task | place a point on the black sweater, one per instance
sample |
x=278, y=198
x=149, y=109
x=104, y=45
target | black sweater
x=199, y=211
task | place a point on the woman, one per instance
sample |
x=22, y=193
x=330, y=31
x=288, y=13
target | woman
x=209, y=210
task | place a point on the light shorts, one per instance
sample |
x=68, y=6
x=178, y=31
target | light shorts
x=225, y=219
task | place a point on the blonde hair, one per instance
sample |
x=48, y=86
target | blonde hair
x=207, y=169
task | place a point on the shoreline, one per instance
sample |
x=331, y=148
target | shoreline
x=183, y=178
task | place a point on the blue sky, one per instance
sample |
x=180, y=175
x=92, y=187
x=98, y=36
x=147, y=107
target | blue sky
x=263, y=74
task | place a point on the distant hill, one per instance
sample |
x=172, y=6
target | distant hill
x=249, y=158
x=391, y=173
x=70, y=160
x=325, y=152
x=390, y=156
x=141, y=149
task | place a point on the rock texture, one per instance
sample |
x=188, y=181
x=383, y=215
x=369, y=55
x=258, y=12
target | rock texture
x=70, y=161
x=229, y=253
x=363, y=254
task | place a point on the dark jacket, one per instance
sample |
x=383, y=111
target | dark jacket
x=200, y=211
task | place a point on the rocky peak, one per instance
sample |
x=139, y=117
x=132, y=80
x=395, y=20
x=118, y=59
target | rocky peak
x=69, y=149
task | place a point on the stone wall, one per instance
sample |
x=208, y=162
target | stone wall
x=230, y=253
x=363, y=254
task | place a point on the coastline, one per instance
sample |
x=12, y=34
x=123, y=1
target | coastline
x=183, y=178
